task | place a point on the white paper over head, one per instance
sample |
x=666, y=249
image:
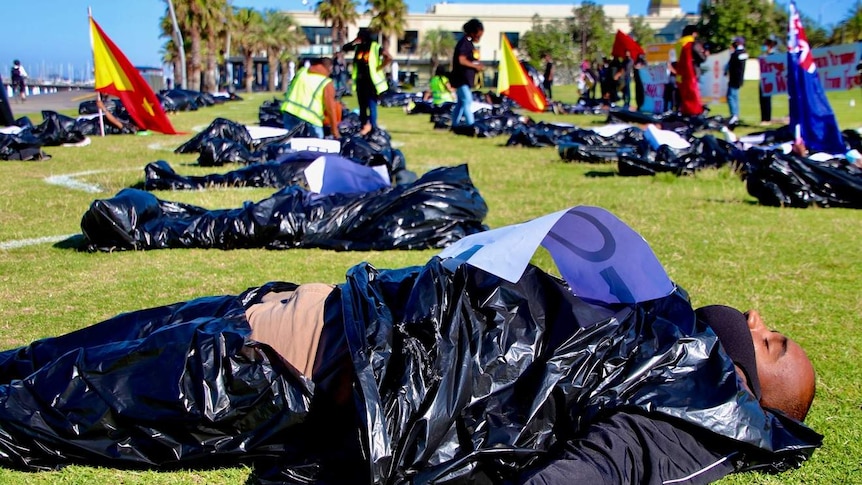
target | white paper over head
x=599, y=256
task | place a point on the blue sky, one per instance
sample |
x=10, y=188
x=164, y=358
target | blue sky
x=52, y=35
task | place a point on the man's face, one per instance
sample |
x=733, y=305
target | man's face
x=783, y=368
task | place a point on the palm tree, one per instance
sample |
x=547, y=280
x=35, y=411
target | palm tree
x=437, y=43
x=280, y=33
x=248, y=39
x=389, y=18
x=170, y=53
x=190, y=24
x=339, y=14
x=213, y=22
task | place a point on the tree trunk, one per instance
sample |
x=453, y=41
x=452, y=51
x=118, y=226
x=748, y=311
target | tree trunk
x=195, y=64
x=248, y=68
x=285, y=65
x=210, y=81
x=178, y=73
x=272, y=62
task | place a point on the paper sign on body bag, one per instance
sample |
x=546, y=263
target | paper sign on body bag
x=599, y=256
x=333, y=174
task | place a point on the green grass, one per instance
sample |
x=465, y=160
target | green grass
x=799, y=267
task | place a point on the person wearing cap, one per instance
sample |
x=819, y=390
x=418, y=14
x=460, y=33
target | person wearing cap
x=19, y=81
x=766, y=101
x=735, y=72
x=310, y=98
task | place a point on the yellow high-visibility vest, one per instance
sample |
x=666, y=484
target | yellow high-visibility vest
x=304, y=98
x=439, y=92
x=378, y=78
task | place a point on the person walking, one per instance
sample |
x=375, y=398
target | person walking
x=19, y=81
x=310, y=98
x=369, y=78
x=735, y=72
x=465, y=66
x=766, y=101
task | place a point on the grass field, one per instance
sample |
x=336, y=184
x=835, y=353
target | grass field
x=800, y=268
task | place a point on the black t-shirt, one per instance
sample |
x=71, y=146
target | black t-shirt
x=462, y=75
x=363, y=51
x=549, y=71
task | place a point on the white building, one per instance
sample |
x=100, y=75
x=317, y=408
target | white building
x=513, y=20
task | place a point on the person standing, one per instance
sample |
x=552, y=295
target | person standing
x=670, y=92
x=311, y=98
x=369, y=78
x=19, y=81
x=766, y=101
x=624, y=78
x=690, y=54
x=549, y=76
x=640, y=95
x=465, y=66
x=735, y=72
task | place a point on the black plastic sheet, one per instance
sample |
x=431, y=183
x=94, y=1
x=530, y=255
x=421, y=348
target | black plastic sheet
x=284, y=172
x=457, y=376
x=778, y=179
x=705, y=152
x=440, y=207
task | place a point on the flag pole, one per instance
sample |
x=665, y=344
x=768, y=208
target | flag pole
x=93, y=51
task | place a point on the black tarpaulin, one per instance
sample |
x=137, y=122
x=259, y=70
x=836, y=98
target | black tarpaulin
x=440, y=207
x=778, y=179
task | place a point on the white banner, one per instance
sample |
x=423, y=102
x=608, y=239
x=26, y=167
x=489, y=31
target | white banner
x=836, y=67
x=713, y=82
x=654, y=78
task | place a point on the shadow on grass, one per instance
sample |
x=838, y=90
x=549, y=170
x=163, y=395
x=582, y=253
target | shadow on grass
x=73, y=242
x=597, y=174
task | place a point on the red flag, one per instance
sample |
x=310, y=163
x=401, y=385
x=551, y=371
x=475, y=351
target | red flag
x=623, y=43
x=513, y=81
x=116, y=76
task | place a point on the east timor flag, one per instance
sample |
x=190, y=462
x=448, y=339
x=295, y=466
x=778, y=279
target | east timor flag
x=116, y=76
x=513, y=81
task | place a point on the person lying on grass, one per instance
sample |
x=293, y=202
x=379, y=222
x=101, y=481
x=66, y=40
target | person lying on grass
x=475, y=367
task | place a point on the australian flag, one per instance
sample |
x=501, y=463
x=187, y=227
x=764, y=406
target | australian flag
x=810, y=114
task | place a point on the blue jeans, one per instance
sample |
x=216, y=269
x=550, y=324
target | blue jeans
x=368, y=110
x=291, y=121
x=462, y=106
x=733, y=101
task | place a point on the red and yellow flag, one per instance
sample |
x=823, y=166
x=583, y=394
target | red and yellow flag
x=116, y=76
x=513, y=81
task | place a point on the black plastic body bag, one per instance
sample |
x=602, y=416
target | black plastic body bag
x=457, y=376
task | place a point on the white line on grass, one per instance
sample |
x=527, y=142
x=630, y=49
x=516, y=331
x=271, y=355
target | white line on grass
x=68, y=181
x=159, y=146
x=20, y=243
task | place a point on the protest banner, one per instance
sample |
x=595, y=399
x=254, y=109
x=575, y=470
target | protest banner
x=836, y=66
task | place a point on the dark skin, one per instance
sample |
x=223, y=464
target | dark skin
x=787, y=378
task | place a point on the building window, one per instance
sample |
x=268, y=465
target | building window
x=513, y=38
x=408, y=44
x=457, y=36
